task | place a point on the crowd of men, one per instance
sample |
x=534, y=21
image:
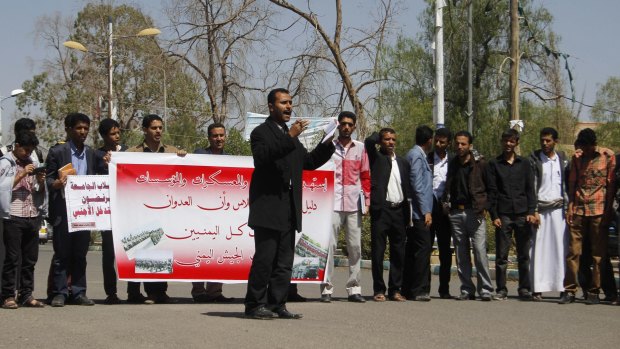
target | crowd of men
x=557, y=209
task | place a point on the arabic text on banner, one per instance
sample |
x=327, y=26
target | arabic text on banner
x=185, y=218
x=88, y=203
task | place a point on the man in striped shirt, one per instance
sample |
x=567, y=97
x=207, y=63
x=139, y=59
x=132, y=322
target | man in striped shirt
x=351, y=201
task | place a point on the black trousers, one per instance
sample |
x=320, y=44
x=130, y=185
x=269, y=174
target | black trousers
x=109, y=270
x=272, y=266
x=70, y=251
x=443, y=231
x=388, y=224
x=608, y=282
x=107, y=263
x=21, y=238
x=417, y=259
x=503, y=242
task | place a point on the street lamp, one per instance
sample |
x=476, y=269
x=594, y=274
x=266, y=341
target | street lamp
x=14, y=93
x=78, y=46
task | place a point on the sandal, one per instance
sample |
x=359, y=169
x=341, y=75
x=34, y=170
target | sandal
x=31, y=302
x=9, y=303
x=379, y=297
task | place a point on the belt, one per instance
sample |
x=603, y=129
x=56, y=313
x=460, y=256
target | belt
x=394, y=205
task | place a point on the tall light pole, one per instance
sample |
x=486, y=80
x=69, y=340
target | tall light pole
x=14, y=93
x=439, y=76
x=78, y=46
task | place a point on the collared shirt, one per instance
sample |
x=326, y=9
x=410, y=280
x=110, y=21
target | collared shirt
x=351, y=176
x=511, y=187
x=78, y=159
x=551, y=178
x=143, y=148
x=589, y=180
x=394, y=189
x=22, y=203
x=440, y=173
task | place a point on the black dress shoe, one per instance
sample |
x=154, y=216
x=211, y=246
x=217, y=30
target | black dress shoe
x=566, y=298
x=285, y=314
x=58, y=301
x=260, y=313
x=326, y=298
x=82, y=300
x=445, y=296
x=295, y=297
x=138, y=298
x=356, y=298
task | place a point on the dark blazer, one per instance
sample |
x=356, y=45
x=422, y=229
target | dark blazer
x=278, y=163
x=57, y=157
x=380, y=169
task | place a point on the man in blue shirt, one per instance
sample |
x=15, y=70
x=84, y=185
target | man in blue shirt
x=419, y=246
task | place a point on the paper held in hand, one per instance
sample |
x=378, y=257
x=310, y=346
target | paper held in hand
x=330, y=129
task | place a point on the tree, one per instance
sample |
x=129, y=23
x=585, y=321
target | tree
x=74, y=81
x=607, y=111
x=218, y=41
x=412, y=59
x=350, y=53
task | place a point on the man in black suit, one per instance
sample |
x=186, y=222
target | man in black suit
x=275, y=205
x=438, y=161
x=70, y=248
x=389, y=211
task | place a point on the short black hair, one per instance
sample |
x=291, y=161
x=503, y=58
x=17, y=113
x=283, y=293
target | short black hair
x=586, y=137
x=106, y=125
x=215, y=125
x=443, y=132
x=464, y=133
x=271, y=97
x=72, y=119
x=24, y=124
x=423, y=134
x=549, y=131
x=386, y=130
x=347, y=114
x=511, y=133
x=148, y=120
x=26, y=138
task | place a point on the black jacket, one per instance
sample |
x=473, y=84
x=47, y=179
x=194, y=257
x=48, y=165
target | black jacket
x=380, y=169
x=278, y=164
x=58, y=157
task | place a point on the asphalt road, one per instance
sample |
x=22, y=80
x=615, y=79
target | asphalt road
x=340, y=324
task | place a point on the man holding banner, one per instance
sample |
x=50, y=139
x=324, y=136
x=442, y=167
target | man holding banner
x=275, y=205
x=69, y=248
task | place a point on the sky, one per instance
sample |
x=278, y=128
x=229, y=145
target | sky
x=588, y=31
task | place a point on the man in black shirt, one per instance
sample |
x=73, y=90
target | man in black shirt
x=512, y=203
x=466, y=195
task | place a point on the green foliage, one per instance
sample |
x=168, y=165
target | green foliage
x=236, y=144
x=607, y=110
x=143, y=76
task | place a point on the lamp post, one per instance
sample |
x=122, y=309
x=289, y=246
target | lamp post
x=14, y=93
x=78, y=46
